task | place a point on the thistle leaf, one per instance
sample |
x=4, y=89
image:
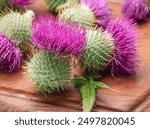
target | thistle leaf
x=100, y=85
x=88, y=94
x=94, y=75
x=79, y=81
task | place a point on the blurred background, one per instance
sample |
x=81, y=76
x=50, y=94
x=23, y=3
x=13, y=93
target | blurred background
x=116, y=0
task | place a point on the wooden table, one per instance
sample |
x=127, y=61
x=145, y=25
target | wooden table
x=18, y=93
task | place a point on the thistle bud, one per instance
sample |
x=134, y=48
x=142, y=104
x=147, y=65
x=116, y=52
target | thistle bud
x=98, y=51
x=49, y=72
x=89, y=13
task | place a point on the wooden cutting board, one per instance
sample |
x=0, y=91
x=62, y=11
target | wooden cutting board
x=18, y=93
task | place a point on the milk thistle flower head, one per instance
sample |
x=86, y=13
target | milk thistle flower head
x=49, y=72
x=17, y=26
x=10, y=55
x=125, y=59
x=136, y=9
x=58, y=36
x=89, y=13
x=100, y=9
x=21, y=2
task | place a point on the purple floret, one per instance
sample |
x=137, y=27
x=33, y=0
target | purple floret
x=136, y=9
x=10, y=55
x=58, y=36
x=125, y=60
x=21, y=2
x=100, y=9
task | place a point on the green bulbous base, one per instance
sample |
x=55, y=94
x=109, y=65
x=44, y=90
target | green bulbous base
x=17, y=26
x=98, y=52
x=81, y=14
x=49, y=72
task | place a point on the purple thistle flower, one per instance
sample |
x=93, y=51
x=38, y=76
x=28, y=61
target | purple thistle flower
x=125, y=60
x=58, y=36
x=10, y=55
x=100, y=9
x=21, y=2
x=136, y=9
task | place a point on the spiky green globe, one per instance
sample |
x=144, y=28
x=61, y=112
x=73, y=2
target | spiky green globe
x=53, y=4
x=3, y=4
x=17, y=26
x=99, y=50
x=81, y=14
x=49, y=72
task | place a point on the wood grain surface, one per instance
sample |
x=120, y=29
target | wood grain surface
x=18, y=93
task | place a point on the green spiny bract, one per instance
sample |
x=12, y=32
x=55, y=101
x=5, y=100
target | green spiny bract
x=16, y=26
x=80, y=14
x=49, y=72
x=68, y=4
x=3, y=4
x=99, y=50
x=53, y=4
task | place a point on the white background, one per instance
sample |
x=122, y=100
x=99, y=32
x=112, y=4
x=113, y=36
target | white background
x=7, y=120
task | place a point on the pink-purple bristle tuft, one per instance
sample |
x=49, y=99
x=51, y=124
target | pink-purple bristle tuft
x=58, y=36
x=10, y=55
x=21, y=2
x=125, y=60
x=136, y=9
x=100, y=9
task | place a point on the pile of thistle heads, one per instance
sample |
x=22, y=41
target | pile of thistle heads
x=83, y=34
x=96, y=50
